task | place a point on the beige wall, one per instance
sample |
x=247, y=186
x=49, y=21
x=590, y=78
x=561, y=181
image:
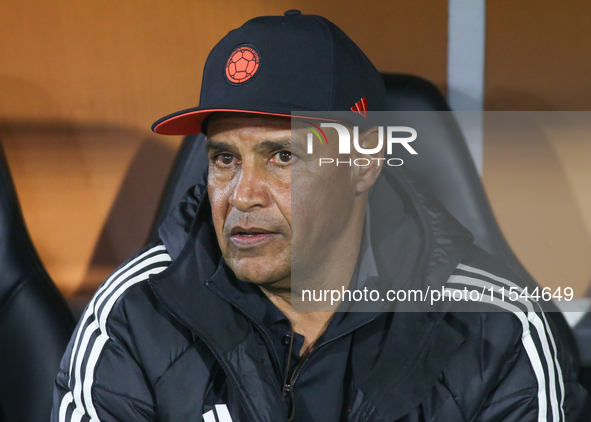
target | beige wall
x=537, y=55
x=81, y=82
x=127, y=63
x=539, y=179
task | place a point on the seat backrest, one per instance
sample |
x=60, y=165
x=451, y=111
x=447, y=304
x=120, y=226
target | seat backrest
x=35, y=322
x=444, y=164
x=189, y=166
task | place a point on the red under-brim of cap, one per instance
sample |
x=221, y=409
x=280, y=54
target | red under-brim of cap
x=189, y=122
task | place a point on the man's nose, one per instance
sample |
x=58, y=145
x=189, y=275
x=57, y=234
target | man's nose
x=250, y=190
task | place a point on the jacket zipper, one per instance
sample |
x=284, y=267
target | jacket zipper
x=289, y=388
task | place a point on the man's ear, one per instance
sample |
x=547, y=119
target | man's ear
x=368, y=174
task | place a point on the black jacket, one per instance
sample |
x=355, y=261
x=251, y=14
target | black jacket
x=172, y=335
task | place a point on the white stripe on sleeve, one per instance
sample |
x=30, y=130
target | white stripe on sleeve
x=110, y=291
x=542, y=329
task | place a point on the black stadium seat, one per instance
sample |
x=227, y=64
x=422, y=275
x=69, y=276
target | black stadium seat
x=190, y=165
x=444, y=164
x=35, y=322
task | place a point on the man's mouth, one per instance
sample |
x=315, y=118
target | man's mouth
x=250, y=237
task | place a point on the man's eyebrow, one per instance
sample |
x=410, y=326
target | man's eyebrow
x=216, y=146
x=273, y=145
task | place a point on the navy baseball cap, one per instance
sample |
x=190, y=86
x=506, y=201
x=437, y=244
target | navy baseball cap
x=275, y=65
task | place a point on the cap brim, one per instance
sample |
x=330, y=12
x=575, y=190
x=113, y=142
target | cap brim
x=188, y=122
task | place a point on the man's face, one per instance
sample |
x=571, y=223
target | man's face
x=250, y=189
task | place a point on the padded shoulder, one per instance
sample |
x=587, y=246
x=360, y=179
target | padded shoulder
x=100, y=340
x=533, y=365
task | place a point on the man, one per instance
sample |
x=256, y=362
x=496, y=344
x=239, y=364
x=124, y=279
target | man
x=200, y=327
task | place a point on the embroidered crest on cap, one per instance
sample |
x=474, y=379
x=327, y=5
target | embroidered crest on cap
x=242, y=64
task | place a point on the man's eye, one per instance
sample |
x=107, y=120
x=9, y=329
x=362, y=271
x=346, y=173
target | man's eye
x=283, y=157
x=224, y=159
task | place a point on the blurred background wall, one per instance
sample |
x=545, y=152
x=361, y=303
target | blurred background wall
x=81, y=83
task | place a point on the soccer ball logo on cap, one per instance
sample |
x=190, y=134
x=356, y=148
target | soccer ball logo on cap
x=242, y=64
